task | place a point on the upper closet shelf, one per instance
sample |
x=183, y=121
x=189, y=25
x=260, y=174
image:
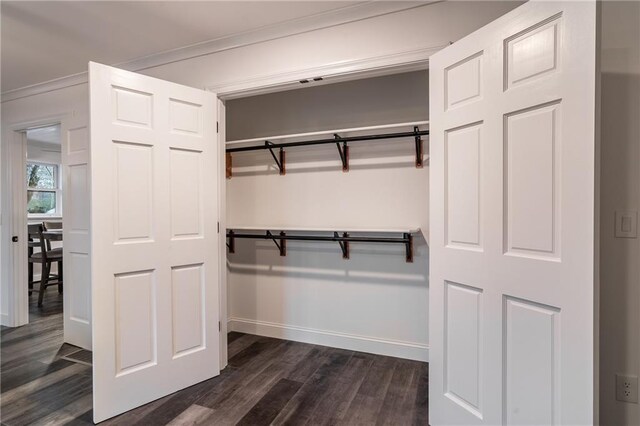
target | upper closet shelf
x=408, y=230
x=339, y=137
x=283, y=138
x=280, y=236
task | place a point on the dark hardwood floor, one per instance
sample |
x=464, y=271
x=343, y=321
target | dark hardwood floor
x=268, y=381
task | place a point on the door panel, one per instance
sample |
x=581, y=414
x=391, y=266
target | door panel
x=512, y=220
x=463, y=322
x=76, y=231
x=155, y=238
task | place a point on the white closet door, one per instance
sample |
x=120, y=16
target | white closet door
x=76, y=232
x=512, y=284
x=154, y=213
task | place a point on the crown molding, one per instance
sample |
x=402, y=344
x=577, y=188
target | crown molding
x=332, y=18
x=47, y=86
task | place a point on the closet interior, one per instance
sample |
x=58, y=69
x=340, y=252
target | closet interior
x=327, y=213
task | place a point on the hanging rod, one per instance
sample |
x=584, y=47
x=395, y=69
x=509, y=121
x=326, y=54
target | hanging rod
x=337, y=139
x=327, y=133
x=343, y=240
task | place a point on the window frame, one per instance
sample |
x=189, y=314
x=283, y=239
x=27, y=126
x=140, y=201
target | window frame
x=58, y=190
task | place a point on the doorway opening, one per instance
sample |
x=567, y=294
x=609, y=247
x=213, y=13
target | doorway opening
x=44, y=209
x=43, y=198
x=356, y=299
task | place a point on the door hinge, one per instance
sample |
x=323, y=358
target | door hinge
x=217, y=127
x=219, y=326
x=218, y=227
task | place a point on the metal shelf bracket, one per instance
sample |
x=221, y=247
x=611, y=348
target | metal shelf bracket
x=408, y=246
x=282, y=245
x=280, y=162
x=231, y=244
x=343, y=151
x=418, y=139
x=344, y=244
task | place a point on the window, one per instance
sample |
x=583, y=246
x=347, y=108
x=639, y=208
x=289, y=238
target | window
x=43, y=189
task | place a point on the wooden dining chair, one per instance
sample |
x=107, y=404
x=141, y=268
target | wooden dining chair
x=31, y=244
x=45, y=258
x=48, y=226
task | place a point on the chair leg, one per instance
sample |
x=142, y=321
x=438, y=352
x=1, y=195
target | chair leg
x=60, y=277
x=30, y=278
x=44, y=280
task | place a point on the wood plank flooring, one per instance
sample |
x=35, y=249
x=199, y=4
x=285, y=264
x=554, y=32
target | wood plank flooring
x=268, y=381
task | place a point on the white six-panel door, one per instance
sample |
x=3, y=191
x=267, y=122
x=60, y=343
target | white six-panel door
x=512, y=220
x=154, y=194
x=76, y=229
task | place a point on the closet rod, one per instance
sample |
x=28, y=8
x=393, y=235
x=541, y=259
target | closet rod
x=326, y=133
x=344, y=240
x=338, y=139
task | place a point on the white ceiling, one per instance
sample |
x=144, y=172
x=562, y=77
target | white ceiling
x=45, y=40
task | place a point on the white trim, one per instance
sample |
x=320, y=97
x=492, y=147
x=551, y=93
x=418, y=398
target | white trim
x=48, y=218
x=17, y=295
x=374, y=345
x=328, y=132
x=45, y=87
x=222, y=239
x=332, y=18
x=16, y=218
x=346, y=70
x=388, y=63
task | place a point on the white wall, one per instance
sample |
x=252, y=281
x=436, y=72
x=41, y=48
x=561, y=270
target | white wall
x=375, y=301
x=429, y=26
x=381, y=100
x=46, y=106
x=620, y=190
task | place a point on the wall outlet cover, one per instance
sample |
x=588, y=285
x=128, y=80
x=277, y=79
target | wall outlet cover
x=627, y=388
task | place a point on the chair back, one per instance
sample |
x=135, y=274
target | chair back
x=32, y=238
x=34, y=232
x=48, y=226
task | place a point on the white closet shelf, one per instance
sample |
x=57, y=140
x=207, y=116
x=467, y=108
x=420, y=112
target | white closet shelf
x=340, y=137
x=348, y=130
x=412, y=230
x=344, y=237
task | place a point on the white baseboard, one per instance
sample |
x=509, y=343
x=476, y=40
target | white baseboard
x=4, y=320
x=407, y=350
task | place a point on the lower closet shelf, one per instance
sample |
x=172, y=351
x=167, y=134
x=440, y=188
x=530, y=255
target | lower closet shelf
x=280, y=236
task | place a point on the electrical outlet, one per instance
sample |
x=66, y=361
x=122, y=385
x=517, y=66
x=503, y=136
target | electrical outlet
x=627, y=388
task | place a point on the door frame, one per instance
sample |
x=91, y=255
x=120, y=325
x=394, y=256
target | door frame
x=393, y=63
x=16, y=223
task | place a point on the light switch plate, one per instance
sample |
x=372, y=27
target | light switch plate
x=626, y=224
